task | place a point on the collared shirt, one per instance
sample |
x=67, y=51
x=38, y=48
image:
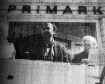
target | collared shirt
x=48, y=49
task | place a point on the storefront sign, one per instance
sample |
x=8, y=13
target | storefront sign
x=96, y=10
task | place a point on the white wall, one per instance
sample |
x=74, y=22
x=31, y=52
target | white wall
x=44, y=72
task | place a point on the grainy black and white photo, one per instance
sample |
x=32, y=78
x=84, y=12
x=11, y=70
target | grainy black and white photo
x=52, y=42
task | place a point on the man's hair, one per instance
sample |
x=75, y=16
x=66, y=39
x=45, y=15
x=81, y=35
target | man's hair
x=90, y=39
x=54, y=26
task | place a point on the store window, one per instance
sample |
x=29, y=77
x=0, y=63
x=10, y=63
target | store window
x=68, y=33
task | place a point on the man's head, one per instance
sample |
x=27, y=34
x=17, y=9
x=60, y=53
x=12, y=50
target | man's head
x=48, y=31
x=89, y=42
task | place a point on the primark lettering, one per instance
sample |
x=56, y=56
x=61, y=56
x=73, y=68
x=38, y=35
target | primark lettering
x=54, y=10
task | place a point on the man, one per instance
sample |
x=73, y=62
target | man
x=7, y=49
x=48, y=49
x=88, y=42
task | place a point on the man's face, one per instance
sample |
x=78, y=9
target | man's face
x=88, y=45
x=48, y=32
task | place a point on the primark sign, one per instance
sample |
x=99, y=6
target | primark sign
x=96, y=10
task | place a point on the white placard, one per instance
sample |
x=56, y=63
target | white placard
x=97, y=57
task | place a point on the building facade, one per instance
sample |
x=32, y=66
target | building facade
x=73, y=18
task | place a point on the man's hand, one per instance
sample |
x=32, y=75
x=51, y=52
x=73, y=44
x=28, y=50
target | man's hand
x=69, y=56
x=85, y=61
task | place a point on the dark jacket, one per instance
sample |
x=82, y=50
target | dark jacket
x=78, y=57
x=59, y=51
